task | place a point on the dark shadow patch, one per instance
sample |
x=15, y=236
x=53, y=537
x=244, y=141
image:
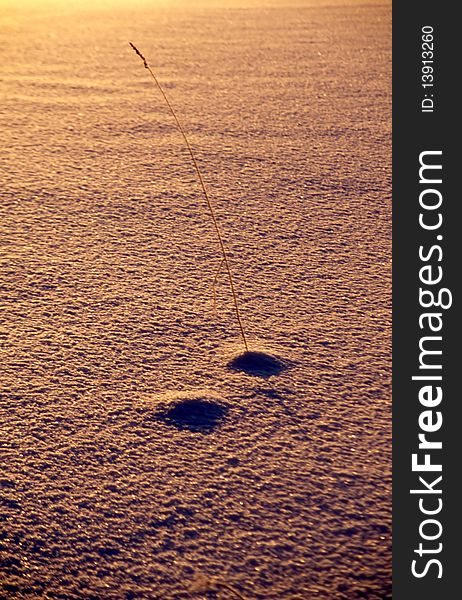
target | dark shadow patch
x=194, y=414
x=108, y=551
x=259, y=364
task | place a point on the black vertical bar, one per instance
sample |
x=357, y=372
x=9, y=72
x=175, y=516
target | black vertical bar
x=426, y=119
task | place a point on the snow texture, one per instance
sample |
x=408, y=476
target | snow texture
x=138, y=459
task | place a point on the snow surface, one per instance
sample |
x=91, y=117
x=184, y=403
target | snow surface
x=135, y=463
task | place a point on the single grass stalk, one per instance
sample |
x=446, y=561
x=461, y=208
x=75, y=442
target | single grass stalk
x=214, y=286
x=206, y=196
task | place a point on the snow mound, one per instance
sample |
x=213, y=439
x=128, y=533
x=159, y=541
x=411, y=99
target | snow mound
x=196, y=414
x=260, y=364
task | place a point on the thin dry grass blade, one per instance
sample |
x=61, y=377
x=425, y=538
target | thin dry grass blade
x=214, y=286
x=204, y=191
